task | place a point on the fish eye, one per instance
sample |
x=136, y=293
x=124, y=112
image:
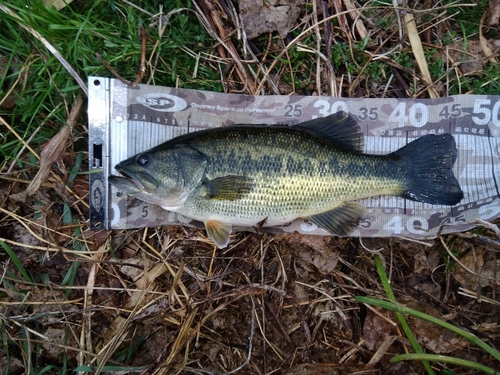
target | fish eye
x=143, y=160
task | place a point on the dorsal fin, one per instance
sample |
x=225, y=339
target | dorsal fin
x=339, y=129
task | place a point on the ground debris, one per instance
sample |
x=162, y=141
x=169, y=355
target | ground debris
x=165, y=300
x=327, y=369
x=478, y=268
x=261, y=17
x=494, y=12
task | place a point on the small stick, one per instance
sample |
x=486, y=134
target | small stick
x=142, y=65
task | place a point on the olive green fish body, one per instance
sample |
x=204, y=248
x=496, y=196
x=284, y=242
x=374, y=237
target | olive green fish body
x=291, y=174
x=246, y=175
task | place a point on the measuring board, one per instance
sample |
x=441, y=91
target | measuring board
x=126, y=120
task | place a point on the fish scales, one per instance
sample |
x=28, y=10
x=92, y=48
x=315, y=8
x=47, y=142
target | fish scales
x=271, y=175
x=293, y=173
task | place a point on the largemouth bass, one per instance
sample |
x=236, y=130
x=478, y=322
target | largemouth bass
x=248, y=174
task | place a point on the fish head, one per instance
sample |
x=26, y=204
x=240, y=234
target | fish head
x=164, y=177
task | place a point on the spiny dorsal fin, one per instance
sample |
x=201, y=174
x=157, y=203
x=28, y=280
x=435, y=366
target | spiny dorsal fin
x=228, y=187
x=218, y=232
x=340, y=129
x=340, y=220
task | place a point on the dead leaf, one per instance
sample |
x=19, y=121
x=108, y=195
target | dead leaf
x=494, y=12
x=96, y=239
x=58, y=336
x=50, y=153
x=483, y=263
x=469, y=62
x=434, y=338
x=259, y=16
x=312, y=251
x=58, y=4
x=325, y=261
x=132, y=268
x=11, y=363
x=375, y=330
x=52, y=150
x=53, y=300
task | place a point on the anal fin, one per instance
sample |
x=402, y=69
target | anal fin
x=218, y=232
x=341, y=220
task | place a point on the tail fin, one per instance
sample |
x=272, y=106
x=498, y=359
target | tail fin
x=429, y=161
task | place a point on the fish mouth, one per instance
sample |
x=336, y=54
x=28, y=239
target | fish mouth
x=133, y=182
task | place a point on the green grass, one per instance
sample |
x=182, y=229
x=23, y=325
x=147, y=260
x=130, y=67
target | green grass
x=17, y=263
x=45, y=90
x=466, y=16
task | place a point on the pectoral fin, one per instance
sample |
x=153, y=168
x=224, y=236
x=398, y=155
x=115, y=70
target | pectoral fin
x=341, y=220
x=218, y=232
x=228, y=187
